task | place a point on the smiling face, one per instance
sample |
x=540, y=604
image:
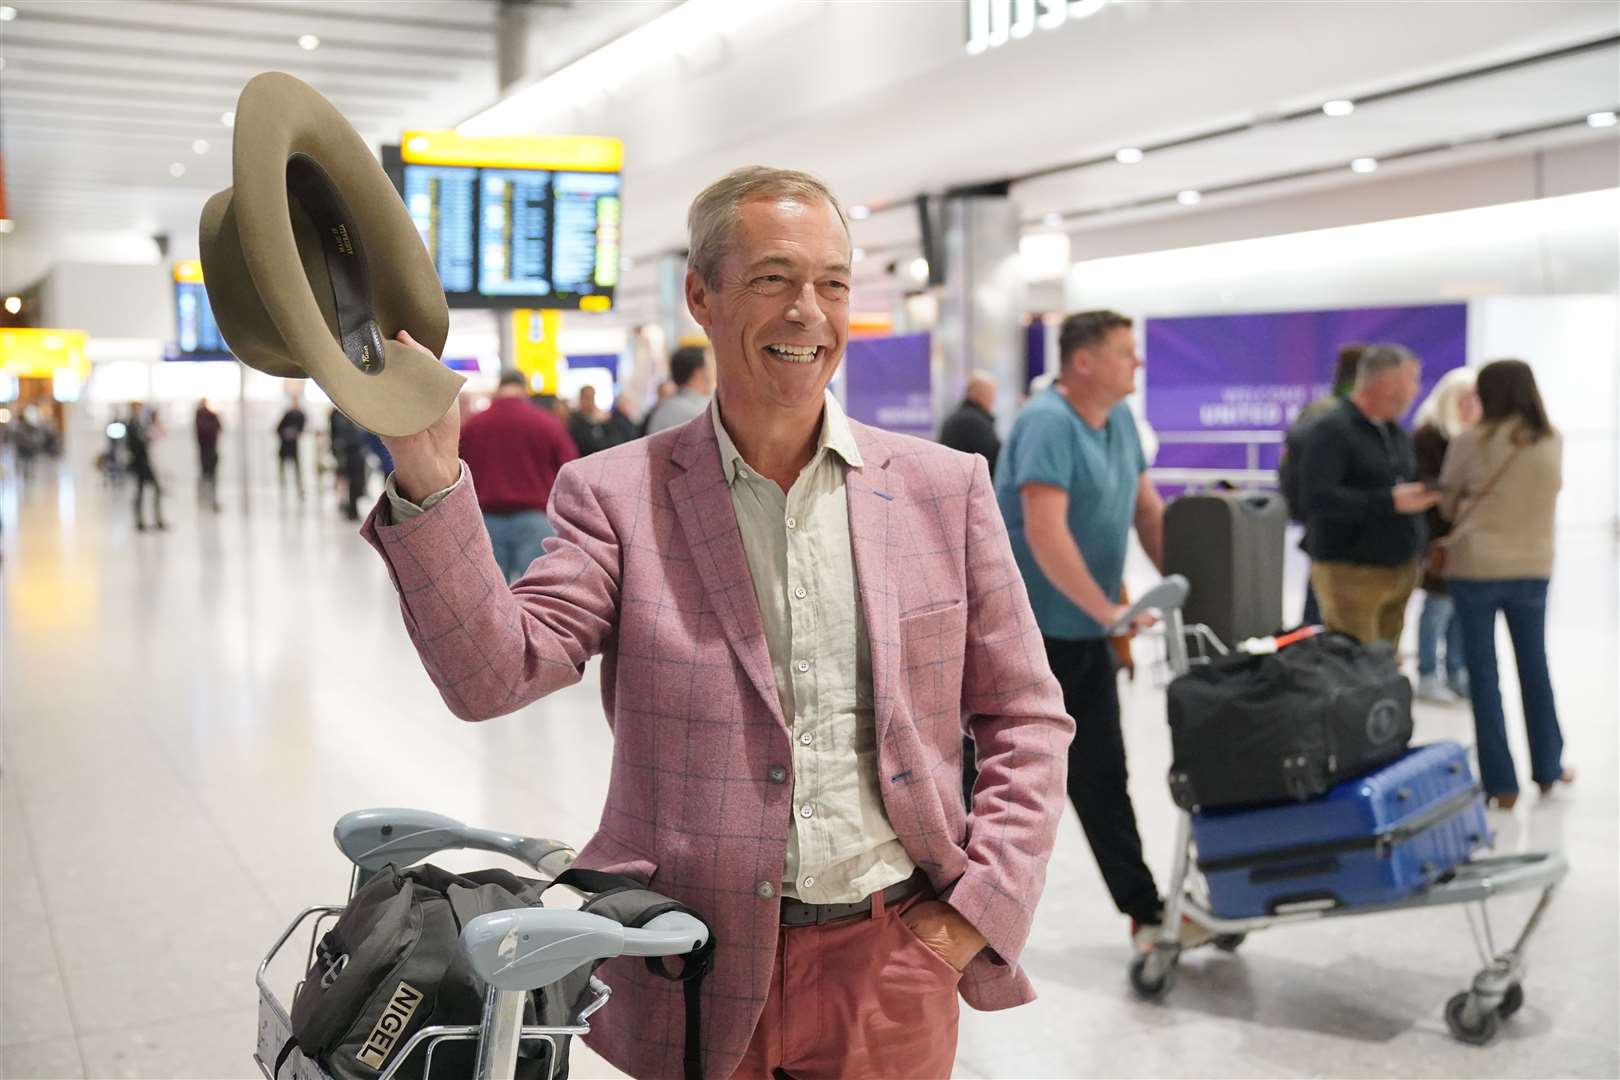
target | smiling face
x=777, y=312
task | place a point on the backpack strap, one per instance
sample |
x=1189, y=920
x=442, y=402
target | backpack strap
x=629, y=902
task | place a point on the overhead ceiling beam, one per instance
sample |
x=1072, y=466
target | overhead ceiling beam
x=68, y=15
x=249, y=63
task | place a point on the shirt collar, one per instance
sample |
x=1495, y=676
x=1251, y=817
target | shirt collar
x=836, y=435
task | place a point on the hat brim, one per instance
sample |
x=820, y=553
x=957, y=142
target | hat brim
x=271, y=271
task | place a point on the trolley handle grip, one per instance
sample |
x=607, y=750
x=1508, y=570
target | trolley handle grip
x=371, y=839
x=527, y=948
x=1167, y=596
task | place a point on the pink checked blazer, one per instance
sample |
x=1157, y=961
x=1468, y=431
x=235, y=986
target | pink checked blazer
x=648, y=570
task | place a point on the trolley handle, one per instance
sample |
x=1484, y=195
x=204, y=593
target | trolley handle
x=371, y=839
x=1167, y=596
x=526, y=948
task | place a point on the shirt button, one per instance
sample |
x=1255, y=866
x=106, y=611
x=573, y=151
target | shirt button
x=778, y=774
x=809, y=881
x=807, y=738
x=764, y=890
x=807, y=811
x=804, y=665
x=800, y=592
x=792, y=523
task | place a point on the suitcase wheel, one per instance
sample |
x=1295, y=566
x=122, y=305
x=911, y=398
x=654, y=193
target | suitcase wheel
x=1229, y=943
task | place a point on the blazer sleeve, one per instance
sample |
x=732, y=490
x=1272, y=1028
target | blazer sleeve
x=1021, y=733
x=488, y=648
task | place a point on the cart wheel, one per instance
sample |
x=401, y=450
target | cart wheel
x=1230, y=942
x=1476, y=1036
x=1150, y=989
x=1512, y=1001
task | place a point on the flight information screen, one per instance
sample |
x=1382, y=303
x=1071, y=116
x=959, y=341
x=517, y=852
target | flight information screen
x=195, y=330
x=518, y=237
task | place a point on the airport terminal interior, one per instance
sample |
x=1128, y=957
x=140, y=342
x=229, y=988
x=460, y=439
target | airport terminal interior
x=194, y=690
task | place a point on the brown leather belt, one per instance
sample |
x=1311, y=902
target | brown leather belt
x=799, y=913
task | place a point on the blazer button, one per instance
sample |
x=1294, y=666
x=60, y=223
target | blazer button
x=765, y=890
x=778, y=774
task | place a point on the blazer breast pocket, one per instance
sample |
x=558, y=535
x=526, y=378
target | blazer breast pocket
x=932, y=644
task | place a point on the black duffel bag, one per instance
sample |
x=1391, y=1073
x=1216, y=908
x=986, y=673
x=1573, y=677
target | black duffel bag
x=1251, y=730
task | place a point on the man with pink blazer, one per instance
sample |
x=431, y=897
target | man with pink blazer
x=798, y=618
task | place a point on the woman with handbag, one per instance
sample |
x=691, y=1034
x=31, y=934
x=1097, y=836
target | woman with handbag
x=1451, y=408
x=1501, y=481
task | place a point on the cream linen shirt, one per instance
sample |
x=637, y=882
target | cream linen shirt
x=841, y=847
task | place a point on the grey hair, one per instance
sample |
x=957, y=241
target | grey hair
x=711, y=222
x=1378, y=359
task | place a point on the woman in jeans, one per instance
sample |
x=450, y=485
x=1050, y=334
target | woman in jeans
x=1450, y=409
x=1501, y=480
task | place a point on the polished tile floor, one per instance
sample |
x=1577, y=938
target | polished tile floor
x=185, y=714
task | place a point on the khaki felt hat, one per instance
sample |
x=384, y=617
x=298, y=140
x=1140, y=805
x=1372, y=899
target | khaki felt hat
x=312, y=263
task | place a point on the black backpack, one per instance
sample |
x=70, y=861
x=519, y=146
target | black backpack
x=392, y=965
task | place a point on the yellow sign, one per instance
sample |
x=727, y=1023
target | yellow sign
x=40, y=354
x=580, y=153
x=534, y=340
x=188, y=270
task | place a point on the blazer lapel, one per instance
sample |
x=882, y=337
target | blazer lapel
x=875, y=495
x=703, y=507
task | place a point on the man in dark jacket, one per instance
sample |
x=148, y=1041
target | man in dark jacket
x=1344, y=381
x=1363, y=502
x=972, y=427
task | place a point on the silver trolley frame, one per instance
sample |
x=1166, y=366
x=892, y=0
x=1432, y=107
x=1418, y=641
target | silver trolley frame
x=373, y=839
x=1473, y=1015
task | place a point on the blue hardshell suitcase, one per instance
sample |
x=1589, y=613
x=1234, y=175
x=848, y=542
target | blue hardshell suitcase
x=1375, y=839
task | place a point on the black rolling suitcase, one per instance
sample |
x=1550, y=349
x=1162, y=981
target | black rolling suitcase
x=1229, y=546
x=1248, y=730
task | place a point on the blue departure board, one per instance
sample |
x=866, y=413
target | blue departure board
x=515, y=237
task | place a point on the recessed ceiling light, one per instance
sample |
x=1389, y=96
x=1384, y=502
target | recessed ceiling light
x=228, y=119
x=14, y=304
x=7, y=13
x=1600, y=120
x=1364, y=165
x=919, y=269
x=200, y=146
x=1339, y=107
x=860, y=213
x=1129, y=155
x=309, y=42
x=1052, y=221
x=177, y=170
x=1189, y=197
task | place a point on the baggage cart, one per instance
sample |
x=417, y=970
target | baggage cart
x=1473, y=1015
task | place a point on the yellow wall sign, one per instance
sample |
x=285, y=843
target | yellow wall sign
x=578, y=153
x=188, y=270
x=534, y=341
x=32, y=353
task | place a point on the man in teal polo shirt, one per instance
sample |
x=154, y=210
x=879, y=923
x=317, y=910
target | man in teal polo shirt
x=1071, y=482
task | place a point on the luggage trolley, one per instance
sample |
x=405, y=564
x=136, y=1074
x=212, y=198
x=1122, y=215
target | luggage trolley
x=1473, y=1015
x=557, y=941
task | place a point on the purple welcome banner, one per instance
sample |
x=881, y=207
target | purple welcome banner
x=887, y=383
x=1214, y=373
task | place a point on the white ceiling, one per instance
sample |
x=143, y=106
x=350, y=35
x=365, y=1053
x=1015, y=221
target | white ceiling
x=99, y=98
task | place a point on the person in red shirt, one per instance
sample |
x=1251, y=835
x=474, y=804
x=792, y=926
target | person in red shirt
x=513, y=451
